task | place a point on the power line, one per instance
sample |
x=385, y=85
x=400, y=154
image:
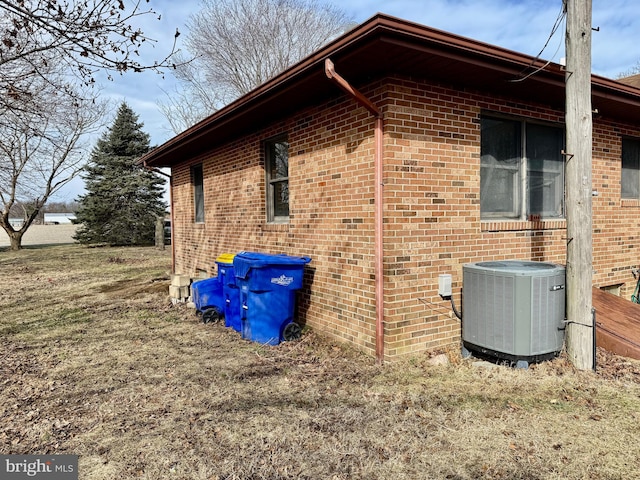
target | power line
x=557, y=24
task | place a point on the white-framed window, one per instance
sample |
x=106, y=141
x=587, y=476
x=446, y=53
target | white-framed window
x=277, y=178
x=521, y=169
x=630, y=181
x=197, y=180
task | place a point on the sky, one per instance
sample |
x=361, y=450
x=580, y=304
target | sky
x=520, y=25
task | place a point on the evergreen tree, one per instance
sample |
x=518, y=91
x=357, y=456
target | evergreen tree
x=123, y=198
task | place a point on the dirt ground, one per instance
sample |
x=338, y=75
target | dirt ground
x=96, y=361
x=43, y=235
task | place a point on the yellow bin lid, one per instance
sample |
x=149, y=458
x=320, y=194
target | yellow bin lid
x=226, y=258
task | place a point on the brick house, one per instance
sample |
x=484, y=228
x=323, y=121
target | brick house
x=448, y=151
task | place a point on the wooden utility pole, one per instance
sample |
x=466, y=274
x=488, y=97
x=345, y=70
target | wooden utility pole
x=580, y=325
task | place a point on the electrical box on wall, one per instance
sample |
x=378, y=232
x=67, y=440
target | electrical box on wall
x=444, y=285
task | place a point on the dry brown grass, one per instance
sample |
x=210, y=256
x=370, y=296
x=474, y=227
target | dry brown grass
x=95, y=361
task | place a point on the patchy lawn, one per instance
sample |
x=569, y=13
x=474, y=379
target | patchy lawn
x=95, y=361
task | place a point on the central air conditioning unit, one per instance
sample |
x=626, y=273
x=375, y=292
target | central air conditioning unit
x=514, y=310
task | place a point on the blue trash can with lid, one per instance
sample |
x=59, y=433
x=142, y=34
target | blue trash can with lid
x=268, y=285
x=230, y=291
x=207, y=296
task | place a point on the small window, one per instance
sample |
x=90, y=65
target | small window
x=277, y=174
x=198, y=193
x=630, y=182
x=521, y=170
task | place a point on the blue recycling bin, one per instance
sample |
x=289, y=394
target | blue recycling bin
x=230, y=291
x=268, y=285
x=207, y=296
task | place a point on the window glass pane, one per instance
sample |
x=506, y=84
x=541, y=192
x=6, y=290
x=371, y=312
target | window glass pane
x=630, y=168
x=499, y=198
x=279, y=160
x=545, y=170
x=281, y=199
x=198, y=193
x=500, y=150
x=277, y=170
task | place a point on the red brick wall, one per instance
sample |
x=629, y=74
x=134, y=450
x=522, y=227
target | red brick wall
x=615, y=221
x=431, y=210
x=331, y=216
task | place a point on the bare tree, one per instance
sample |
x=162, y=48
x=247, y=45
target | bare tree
x=635, y=70
x=86, y=35
x=240, y=44
x=42, y=149
x=79, y=37
x=50, y=51
x=193, y=100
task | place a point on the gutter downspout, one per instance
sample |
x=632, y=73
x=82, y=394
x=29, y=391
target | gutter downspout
x=378, y=200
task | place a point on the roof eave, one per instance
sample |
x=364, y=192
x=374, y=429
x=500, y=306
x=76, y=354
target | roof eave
x=392, y=31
